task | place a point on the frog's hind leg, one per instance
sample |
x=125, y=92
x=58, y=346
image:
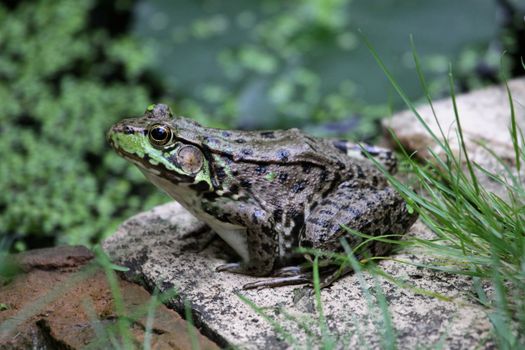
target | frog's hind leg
x=384, y=156
x=371, y=211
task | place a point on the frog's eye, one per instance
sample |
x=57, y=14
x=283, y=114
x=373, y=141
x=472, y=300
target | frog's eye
x=190, y=159
x=159, y=134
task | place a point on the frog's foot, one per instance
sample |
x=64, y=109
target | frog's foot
x=242, y=268
x=292, y=275
x=290, y=271
x=230, y=267
x=288, y=275
x=280, y=281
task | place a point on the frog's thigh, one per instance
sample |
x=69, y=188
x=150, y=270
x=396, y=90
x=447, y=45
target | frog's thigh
x=370, y=211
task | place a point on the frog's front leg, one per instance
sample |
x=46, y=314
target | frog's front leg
x=257, y=248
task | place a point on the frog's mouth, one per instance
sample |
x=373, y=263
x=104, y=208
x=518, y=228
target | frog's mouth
x=145, y=165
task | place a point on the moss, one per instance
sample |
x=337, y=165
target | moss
x=63, y=82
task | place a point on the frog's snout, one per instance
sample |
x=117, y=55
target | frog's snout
x=116, y=130
x=109, y=137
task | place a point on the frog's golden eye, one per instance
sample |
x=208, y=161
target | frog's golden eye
x=159, y=134
x=190, y=159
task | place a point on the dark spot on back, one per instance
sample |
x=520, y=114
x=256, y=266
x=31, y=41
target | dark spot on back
x=335, y=182
x=226, y=134
x=261, y=169
x=240, y=140
x=283, y=177
x=268, y=134
x=210, y=139
x=246, y=151
x=326, y=212
x=245, y=183
x=283, y=154
x=299, y=186
x=307, y=168
x=324, y=175
x=319, y=222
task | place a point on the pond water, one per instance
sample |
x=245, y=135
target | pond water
x=221, y=54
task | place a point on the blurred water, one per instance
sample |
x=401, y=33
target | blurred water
x=186, y=51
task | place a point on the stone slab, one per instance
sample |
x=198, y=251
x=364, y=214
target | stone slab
x=167, y=248
x=485, y=117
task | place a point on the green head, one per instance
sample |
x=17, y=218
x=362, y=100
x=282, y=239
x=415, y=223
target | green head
x=157, y=144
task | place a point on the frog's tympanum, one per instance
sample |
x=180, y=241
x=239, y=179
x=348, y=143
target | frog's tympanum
x=266, y=193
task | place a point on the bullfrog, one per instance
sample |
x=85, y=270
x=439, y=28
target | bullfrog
x=267, y=193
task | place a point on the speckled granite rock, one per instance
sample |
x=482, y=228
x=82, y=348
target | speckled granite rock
x=166, y=247
x=484, y=115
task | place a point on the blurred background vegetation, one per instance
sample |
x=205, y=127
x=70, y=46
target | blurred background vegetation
x=69, y=69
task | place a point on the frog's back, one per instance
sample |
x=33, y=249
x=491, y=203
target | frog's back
x=279, y=146
x=290, y=147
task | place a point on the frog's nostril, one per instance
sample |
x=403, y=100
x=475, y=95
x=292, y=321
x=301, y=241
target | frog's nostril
x=128, y=130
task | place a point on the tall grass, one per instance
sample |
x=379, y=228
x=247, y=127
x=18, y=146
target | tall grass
x=481, y=233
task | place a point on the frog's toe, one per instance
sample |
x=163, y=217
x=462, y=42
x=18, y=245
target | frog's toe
x=230, y=267
x=290, y=271
x=279, y=281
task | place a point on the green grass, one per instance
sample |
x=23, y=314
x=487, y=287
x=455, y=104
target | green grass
x=480, y=233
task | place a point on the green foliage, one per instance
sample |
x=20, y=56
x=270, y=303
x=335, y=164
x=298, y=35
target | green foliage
x=58, y=176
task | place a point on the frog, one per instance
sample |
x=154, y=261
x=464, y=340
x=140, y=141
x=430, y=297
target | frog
x=268, y=194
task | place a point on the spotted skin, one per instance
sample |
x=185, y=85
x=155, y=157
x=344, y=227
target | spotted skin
x=266, y=193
